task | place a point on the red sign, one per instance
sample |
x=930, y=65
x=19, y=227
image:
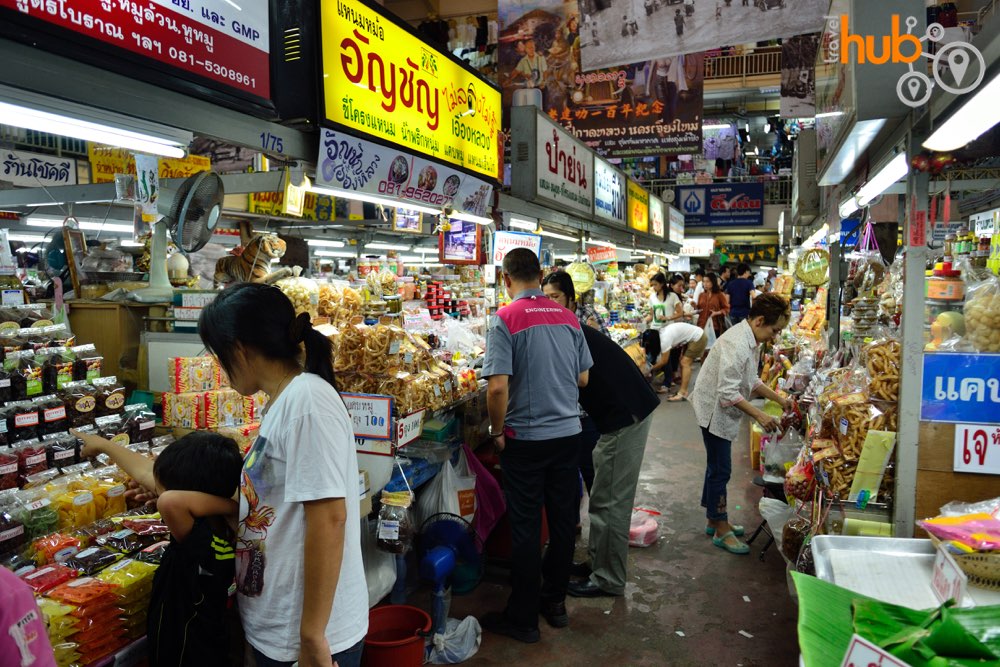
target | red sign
x=918, y=229
x=599, y=254
x=197, y=36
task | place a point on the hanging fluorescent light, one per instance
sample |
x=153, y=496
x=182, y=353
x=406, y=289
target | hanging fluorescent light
x=892, y=172
x=977, y=115
x=523, y=224
x=717, y=126
x=21, y=108
x=375, y=245
x=371, y=199
x=848, y=207
x=333, y=253
x=603, y=244
x=468, y=217
x=131, y=244
x=26, y=238
x=556, y=235
x=325, y=244
x=830, y=114
x=87, y=226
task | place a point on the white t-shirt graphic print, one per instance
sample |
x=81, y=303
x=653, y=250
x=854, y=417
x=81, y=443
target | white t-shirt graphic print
x=305, y=451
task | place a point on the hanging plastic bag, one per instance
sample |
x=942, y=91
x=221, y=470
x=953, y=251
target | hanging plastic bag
x=779, y=454
x=460, y=641
x=777, y=514
x=490, y=502
x=710, y=332
x=449, y=492
x=380, y=567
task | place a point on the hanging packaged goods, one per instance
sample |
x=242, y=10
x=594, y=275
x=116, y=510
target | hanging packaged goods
x=380, y=79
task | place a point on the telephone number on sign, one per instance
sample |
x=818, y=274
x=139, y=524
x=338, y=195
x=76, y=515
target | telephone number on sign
x=210, y=67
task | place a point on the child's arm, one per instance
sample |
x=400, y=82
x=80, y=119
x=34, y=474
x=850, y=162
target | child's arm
x=179, y=509
x=136, y=466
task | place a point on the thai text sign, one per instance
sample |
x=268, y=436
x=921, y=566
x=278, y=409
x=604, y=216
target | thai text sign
x=609, y=192
x=638, y=207
x=977, y=449
x=961, y=388
x=352, y=164
x=371, y=415
x=35, y=169
x=315, y=207
x=722, y=205
x=676, y=225
x=598, y=254
x=656, y=226
x=504, y=242
x=215, y=39
x=106, y=161
x=381, y=79
x=565, y=168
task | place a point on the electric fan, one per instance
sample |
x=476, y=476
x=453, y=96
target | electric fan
x=191, y=213
x=450, y=555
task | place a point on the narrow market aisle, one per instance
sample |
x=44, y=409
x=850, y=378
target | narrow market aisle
x=680, y=585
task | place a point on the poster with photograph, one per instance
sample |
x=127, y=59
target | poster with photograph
x=798, y=76
x=460, y=244
x=617, y=32
x=407, y=221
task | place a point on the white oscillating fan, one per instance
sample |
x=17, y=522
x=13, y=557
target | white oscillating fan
x=191, y=213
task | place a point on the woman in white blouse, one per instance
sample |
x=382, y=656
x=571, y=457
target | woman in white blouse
x=727, y=381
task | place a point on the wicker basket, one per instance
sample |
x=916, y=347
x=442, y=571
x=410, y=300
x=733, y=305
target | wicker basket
x=982, y=568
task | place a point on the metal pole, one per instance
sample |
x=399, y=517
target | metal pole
x=907, y=452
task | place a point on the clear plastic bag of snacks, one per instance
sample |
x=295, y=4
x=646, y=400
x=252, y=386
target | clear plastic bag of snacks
x=303, y=293
x=84, y=591
x=110, y=396
x=35, y=512
x=92, y=560
x=47, y=577
x=88, y=364
x=55, y=548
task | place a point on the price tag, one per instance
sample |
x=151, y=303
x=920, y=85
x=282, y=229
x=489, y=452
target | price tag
x=862, y=653
x=948, y=580
x=371, y=414
x=375, y=447
x=12, y=297
x=977, y=449
x=408, y=428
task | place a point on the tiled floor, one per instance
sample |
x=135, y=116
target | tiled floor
x=685, y=601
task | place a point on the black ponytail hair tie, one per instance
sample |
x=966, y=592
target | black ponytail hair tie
x=299, y=326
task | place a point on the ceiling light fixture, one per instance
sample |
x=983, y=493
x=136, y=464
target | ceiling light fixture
x=975, y=117
x=604, y=244
x=468, y=217
x=334, y=253
x=892, y=172
x=848, y=207
x=371, y=199
x=556, y=235
x=325, y=244
x=377, y=245
x=527, y=225
x=31, y=111
x=84, y=225
x=717, y=126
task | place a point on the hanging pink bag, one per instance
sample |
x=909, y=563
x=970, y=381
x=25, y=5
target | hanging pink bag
x=490, y=503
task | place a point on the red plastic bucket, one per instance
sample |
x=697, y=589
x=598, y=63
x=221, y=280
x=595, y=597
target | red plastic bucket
x=393, y=639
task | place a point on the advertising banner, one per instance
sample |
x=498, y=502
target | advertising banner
x=675, y=223
x=638, y=207
x=798, y=76
x=961, y=389
x=356, y=165
x=504, y=242
x=722, y=205
x=379, y=78
x=599, y=254
x=656, y=223
x=609, y=193
x=106, y=161
x=31, y=170
x=318, y=208
x=215, y=39
x=614, y=32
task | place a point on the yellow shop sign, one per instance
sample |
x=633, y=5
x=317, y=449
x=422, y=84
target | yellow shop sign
x=315, y=207
x=106, y=161
x=638, y=207
x=381, y=79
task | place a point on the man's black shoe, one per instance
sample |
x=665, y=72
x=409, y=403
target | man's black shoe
x=555, y=614
x=580, y=570
x=588, y=589
x=497, y=623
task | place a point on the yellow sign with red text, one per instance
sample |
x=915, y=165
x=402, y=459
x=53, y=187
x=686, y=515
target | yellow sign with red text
x=638, y=207
x=381, y=79
x=106, y=161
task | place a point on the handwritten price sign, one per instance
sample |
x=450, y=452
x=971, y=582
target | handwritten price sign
x=408, y=428
x=948, y=580
x=371, y=414
x=862, y=653
x=977, y=449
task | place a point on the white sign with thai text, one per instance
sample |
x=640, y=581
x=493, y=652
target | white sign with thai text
x=32, y=170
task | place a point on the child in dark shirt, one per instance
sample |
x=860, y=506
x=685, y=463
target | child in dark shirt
x=195, y=479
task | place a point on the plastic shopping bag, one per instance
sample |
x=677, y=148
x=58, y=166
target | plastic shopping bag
x=450, y=491
x=459, y=642
x=643, y=528
x=710, y=330
x=490, y=502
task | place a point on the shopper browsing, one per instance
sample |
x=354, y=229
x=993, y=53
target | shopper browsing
x=714, y=304
x=559, y=287
x=661, y=306
x=675, y=337
x=195, y=479
x=24, y=641
x=621, y=403
x=722, y=393
x=536, y=361
x=299, y=575
x=740, y=291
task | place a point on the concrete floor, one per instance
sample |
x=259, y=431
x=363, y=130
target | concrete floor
x=682, y=584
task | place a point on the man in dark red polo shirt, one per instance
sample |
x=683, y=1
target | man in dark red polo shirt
x=536, y=361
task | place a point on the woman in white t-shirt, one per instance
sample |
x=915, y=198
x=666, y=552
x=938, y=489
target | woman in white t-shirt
x=299, y=573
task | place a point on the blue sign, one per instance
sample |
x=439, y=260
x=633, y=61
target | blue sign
x=850, y=232
x=961, y=388
x=722, y=205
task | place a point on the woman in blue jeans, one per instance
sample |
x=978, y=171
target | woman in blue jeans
x=727, y=381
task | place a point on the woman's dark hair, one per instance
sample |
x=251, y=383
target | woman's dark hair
x=562, y=282
x=700, y=273
x=714, y=278
x=650, y=342
x=676, y=278
x=200, y=461
x=262, y=318
x=771, y=307
x=660, y=279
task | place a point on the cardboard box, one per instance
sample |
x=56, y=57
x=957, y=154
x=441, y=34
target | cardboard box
x=365, y=488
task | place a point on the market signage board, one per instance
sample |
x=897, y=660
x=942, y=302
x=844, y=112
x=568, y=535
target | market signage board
x=106, y=161
x=977, y=449
x=675, y=222
x=380, y=79
x=863, y=653
x=371, y=414
x=638, y=207
x=961, y=388
x=599, y=254
x=609, y=193
x=318, y=208
x=722, y=205
x=549, y=165
x=213, y=39
x=697, y=247
x=31, y=170
x=504, y=242
x=356, y=165
x=408, y=428
x=656, y=226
